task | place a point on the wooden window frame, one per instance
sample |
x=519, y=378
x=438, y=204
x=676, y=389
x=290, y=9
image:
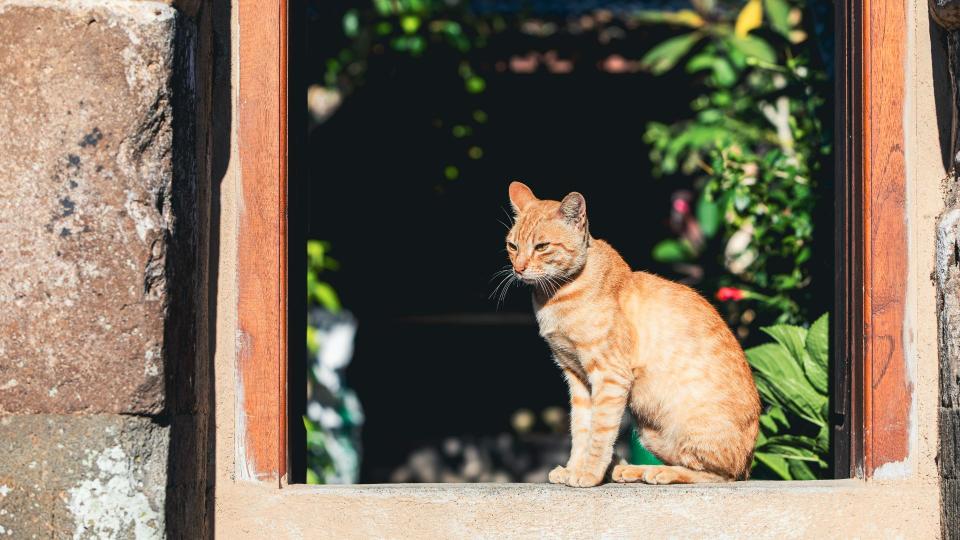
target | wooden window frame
x=872, y=392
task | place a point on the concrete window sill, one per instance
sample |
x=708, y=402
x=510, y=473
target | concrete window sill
x=822, y=509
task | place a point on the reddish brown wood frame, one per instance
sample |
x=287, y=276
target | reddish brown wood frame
x=881, y=392
x=261, y=353
x=882, y=404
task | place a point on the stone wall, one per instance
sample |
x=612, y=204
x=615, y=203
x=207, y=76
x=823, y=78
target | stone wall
x=946, y=14
x=948, y=283
x=103, y=268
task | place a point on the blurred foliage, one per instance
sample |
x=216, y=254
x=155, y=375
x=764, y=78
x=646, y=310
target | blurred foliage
x=409, y=28
x=334, y=415
x=792, y=377
x=754, y=145
x=319, y=292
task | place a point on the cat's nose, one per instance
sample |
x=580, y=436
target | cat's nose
x=519, y=267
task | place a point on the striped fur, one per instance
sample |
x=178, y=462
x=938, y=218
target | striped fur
x=631, y=339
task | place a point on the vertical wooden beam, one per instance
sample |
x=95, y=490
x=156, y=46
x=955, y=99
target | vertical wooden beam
x=848, y=243
x=262, y=241
x=886, y=390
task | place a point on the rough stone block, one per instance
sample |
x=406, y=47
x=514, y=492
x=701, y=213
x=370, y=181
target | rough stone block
x=98, y=476
x=87, y=204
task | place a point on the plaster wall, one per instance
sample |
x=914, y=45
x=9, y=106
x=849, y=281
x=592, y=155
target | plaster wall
x=926, y=175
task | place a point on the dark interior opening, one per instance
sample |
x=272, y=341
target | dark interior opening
x=415, y=217
x=435, y=357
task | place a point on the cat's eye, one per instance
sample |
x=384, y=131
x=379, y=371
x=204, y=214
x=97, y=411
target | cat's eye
x=511, y=246
x=541, y=246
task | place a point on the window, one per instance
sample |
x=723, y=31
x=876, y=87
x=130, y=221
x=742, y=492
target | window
x=871, y=241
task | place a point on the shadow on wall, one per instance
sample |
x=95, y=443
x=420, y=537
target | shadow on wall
x=201, y=153
x=942, y=93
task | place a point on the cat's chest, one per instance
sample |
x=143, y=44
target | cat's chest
x=548, y=320
x=556, y=329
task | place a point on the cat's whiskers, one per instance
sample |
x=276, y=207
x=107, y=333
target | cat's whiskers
x=505, y=270
x=510, y=280
x=504, y=279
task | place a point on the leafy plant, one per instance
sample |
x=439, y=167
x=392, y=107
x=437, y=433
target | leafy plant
x=754, y=145
x=334, y=415
x=398, y=30
x=319, y=292
x=791, y=376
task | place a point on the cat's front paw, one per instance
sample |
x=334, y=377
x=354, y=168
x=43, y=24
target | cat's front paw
x=583, y=478
x=558, y=475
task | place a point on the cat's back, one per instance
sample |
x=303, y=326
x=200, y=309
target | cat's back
x=656, y=294
x=671, y=315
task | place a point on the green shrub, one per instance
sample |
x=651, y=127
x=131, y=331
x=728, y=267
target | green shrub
x=753, y=145
x=792, y=377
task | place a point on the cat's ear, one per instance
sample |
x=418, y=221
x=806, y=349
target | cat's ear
x=573, y=209
x=520, y=196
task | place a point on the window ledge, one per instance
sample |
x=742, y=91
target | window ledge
x=828, y=508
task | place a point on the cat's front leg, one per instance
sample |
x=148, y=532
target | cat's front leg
x=608, y=400
x=579, y=426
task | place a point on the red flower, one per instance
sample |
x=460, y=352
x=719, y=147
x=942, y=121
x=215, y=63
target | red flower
x=729, y=293
x=681, y=206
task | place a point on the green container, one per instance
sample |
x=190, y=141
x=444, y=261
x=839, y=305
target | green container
x=640, y=455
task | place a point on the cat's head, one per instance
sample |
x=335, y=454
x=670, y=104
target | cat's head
x=549, y=239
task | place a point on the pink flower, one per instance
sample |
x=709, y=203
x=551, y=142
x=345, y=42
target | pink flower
x=730, y=293
x=681, y=206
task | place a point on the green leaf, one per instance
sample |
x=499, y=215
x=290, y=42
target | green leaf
x=779, y=416
x=475, y=85
x=782, y=382
x=773, y=361
x=383, y=7
x=723, y=73
x=792, y=338
x=670, y=251
x=768, y=423
x=702, y=61
x=816, y=374
x=793, y=453
x=774, y=420
x=767, y=394
x=351, y=23
x=818, y=340
x=322, y=293
x=708, y=215
x=754, y=47
x=776, y=463
x=823, y=439
x=778, y=13
x=410, y=23
x=664, y=56
x=683, y=17
x=800, y=470
x=796, y=340
x=806, y=445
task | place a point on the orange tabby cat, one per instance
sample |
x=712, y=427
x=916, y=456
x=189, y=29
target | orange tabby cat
x=627, y=338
